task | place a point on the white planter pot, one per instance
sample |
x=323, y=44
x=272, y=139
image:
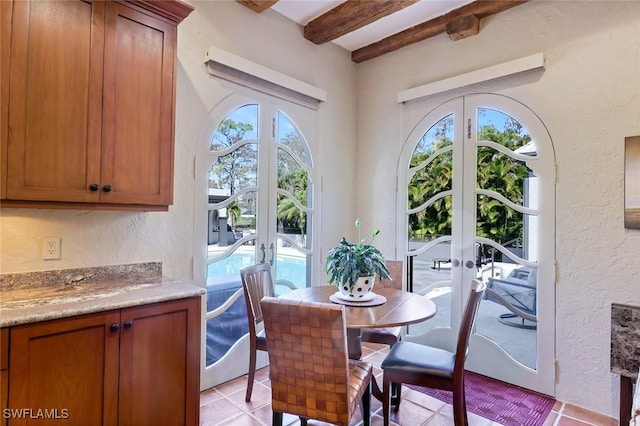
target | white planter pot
x=361, y=290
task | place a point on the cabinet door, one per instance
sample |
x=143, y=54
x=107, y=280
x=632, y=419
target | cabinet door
x=160, y=364
x=55, y=102
x=137, y=151
x=69, y=364
x=4, y=372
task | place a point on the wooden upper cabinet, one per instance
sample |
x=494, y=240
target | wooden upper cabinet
x=137, y=148
x=55, y=103
x=90, y=104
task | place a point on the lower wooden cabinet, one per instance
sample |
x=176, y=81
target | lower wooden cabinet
x=133, y=366
x=4, y=373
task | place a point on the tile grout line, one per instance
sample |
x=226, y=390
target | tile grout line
x=560, y=413
x=557, y=421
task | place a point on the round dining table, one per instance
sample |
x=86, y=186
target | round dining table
x=400, y=308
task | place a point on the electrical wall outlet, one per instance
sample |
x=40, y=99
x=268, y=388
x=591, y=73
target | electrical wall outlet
x=50, y=248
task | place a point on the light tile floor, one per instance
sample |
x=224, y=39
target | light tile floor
x=225, y=405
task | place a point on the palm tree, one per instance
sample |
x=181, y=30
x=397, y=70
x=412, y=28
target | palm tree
x=496, y=171
x=294, y=181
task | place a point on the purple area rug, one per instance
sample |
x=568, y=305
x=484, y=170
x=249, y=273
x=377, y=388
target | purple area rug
x=498, y=401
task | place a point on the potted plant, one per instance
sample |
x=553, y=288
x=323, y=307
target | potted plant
x=354, y=266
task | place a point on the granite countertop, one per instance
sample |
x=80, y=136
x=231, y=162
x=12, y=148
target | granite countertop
x=39, y=296
x=625, y=340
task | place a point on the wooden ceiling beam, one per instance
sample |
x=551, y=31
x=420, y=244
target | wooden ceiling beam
x=258, y=6
x=464, y=27
x=479, y=8
x=350, y=16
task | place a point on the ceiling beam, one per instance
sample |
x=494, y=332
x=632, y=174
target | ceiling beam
x=350, y=16
x=258, y=6
x=464, y=27
x=479, y=8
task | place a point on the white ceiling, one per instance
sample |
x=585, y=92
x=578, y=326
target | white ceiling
x=303, y=11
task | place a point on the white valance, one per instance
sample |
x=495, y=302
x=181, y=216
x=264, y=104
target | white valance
x=234, y=68
x=485, y=74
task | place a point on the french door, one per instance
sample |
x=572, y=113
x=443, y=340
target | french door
x=256, y=205
x=478, y=200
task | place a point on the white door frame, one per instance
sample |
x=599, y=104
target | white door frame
x=235, y=362
x=485, y=356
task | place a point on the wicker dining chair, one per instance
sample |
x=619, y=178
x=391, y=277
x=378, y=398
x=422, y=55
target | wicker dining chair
x=256, y=283
x=432, y=367
x=310, y=373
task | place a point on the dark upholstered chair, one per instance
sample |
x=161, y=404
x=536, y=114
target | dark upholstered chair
x=387, y=336
x=311, y=375
x=431, y=367
x=256, y=283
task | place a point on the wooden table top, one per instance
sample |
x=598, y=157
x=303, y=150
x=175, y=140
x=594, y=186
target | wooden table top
x=401, y=307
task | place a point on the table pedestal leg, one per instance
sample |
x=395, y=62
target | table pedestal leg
x=354, y=343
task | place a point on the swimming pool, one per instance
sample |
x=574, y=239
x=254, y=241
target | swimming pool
x=223, y=281
x=290, y=268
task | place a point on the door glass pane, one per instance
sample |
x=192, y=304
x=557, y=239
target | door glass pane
x=232, y=204
x=497, y=126
x=241, y=124
x=507, y=315
x=293, y=205
x=290, y=136
x=429, y=220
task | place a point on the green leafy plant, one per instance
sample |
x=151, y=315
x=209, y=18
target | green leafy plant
x=349, y=261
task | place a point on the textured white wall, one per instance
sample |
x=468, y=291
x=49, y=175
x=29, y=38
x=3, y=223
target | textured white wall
x=589, y=99
x=92, y=238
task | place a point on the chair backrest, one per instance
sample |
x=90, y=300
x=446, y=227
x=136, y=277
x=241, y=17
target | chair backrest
x=468, y=319
x=308, y=364
x=256, y=283
x=395, y=271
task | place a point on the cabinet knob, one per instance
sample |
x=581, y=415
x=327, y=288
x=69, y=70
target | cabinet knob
x=128, y=324
x=114, y=327
x=94, y=187
x=106, y=188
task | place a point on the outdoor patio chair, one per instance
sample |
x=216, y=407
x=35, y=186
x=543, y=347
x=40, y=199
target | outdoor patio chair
x=256, y=283
x=432, y=367
x=310, y=373
x=518, y=293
